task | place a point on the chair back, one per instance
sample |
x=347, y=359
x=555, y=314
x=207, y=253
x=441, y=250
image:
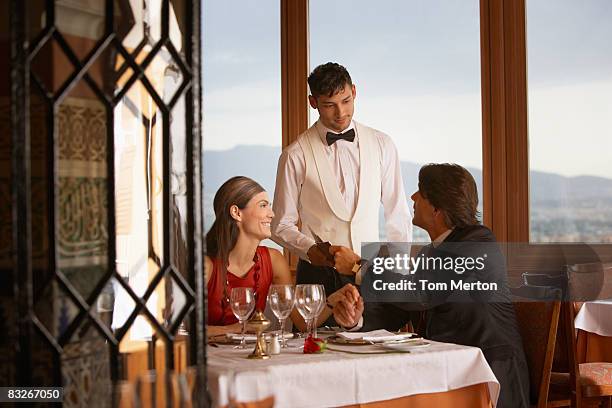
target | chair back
x=565, y=359
x=538, y=322
x=587, y=281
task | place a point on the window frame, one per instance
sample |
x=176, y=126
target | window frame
x=505, y=161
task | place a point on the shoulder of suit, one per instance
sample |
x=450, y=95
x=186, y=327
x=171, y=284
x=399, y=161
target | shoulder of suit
x=294, y=148
x=382, y=137
x=474, y=233
x=305, y=134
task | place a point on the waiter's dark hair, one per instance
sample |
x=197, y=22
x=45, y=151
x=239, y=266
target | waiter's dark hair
x=223, y=234
x=452, y=189
x=328, y=79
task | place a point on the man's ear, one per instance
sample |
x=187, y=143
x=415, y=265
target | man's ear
x=354, y=91
x=313, y=102
x=438, y=213
x=235, y=213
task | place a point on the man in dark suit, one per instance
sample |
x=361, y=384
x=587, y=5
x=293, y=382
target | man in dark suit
x=446, y=207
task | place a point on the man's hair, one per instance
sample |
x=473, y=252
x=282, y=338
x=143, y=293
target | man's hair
x=451, y=188
x=328, y=79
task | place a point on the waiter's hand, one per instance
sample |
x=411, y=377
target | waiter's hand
x=344, y=259
x=317, y=257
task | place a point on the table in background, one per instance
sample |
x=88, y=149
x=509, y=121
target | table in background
x=439, y=375
x=594, y=324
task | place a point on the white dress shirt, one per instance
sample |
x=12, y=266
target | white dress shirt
x=441, y=238
x=344, y=159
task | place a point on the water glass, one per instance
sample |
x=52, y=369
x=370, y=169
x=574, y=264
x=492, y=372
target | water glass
x=322, y=305
x=242, y=301
x=308, y=300
x=281, y=299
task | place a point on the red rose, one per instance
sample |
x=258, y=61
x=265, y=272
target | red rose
x=314, y=345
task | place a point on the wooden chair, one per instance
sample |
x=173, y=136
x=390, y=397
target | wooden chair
x=589, y=384
x=537, y=322
x=570, y=383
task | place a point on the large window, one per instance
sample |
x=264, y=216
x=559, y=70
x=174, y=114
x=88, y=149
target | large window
x=242, y=94
x=416, y=66
x=570, y=133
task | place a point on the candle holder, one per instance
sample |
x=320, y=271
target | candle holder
x=258, y=323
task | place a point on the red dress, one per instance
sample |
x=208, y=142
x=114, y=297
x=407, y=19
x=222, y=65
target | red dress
x=259, y=277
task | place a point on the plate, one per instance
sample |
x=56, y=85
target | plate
x=236, y=338
x=362, y=342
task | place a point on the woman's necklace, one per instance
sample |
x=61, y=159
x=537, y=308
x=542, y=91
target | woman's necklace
x=225, y=301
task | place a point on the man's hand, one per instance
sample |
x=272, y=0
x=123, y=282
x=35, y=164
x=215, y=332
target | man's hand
x=317, y=257
x=347, y=306
x=348, y=292
x=344, y=259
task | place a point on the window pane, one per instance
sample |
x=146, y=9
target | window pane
x=570, y=133
x=242, y=95
x=416, y=66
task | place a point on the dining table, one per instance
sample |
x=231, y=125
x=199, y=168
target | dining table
x=594, y=332
x=365, y=375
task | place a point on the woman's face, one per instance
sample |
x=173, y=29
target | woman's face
x=255, y=218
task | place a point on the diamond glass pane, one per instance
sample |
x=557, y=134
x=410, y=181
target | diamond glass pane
x=138, y=188
x=165, y=75
x=168, y=301
x=55, y=309
x=115, y=305
x=82, y=235
x=51, y=66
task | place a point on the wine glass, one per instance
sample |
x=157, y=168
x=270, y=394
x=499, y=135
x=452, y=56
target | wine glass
x=308, y=300
x=322, y=305
x=281, y=299
x=242, y=301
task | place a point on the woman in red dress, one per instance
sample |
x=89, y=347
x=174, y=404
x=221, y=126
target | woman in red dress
x=235, y=258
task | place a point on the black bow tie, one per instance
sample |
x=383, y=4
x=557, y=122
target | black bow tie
x=332, y=138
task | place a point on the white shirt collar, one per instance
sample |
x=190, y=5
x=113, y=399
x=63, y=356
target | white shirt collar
x=323, y=130
x=441, y=238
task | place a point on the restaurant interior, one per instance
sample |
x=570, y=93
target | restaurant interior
x=121, y=119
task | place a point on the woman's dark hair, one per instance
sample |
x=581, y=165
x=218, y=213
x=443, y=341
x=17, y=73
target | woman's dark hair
x=451, y=188
x=223, y=234
x=328, y=79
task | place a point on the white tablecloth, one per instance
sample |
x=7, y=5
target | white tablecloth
x=595, y=317
x=335, y=378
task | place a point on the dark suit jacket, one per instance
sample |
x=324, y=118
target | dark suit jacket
x=487, y=322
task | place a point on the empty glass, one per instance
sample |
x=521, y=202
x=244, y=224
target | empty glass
x=242, y=302
x=319, y=310
x=281, y=299
x=308, y=300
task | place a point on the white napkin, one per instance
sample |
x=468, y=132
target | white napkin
x=375, y=335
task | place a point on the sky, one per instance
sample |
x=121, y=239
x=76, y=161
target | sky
x=416, y=65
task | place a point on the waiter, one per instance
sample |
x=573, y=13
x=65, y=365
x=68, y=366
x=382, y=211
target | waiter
x=333, y=179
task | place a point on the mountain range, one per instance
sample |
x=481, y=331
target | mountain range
x=260, y=163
